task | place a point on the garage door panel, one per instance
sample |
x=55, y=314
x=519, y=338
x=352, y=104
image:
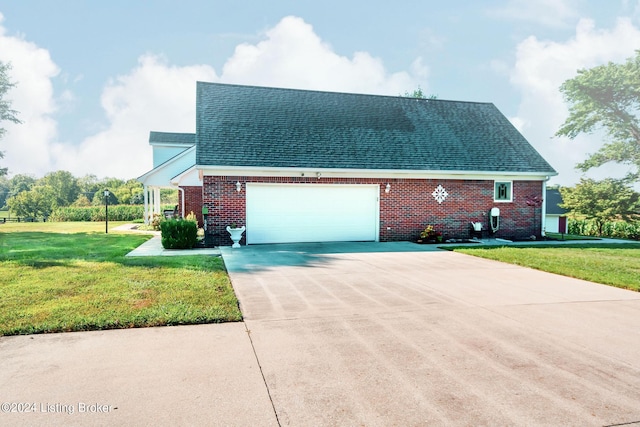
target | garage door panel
x=282, y=213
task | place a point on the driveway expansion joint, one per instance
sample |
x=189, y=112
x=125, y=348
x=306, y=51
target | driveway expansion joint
x=264, y=380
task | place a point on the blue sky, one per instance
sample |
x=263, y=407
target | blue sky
x=95, y=77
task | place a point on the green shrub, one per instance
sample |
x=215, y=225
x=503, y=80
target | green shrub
x=68, y=213
x=179, y=234
x=97, y=213
x=614, y=229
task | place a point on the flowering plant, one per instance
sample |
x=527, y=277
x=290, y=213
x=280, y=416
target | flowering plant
x=430, y=233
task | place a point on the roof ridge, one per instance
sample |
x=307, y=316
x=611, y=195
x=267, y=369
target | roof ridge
x=342, y=93
x=172, y=137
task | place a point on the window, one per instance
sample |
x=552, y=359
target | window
x=502, y=191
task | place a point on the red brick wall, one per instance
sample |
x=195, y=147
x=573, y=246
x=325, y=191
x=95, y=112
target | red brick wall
x=407, y=209
x=226, y=206
x=192, y=202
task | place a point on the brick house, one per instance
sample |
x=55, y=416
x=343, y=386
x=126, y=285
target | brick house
x=307, y=166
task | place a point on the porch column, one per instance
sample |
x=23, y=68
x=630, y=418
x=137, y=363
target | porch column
x=151, y=203
x=146, y=204
x=156, y=199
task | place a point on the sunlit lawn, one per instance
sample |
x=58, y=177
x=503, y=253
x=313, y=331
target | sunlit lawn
x=610, y=264
x=72, y=276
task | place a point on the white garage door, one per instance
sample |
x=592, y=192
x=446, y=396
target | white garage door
x=286, y=213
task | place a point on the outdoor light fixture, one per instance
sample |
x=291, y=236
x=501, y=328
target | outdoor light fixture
x=106, y=211
x=387, y=188
x=318, y=175
x=238, y=186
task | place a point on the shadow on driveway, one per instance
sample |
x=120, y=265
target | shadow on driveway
x=261, y=257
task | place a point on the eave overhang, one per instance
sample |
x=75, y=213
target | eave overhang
x=371, y=173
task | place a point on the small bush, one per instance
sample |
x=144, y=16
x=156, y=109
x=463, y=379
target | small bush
x=179, y=234
x=156, y=221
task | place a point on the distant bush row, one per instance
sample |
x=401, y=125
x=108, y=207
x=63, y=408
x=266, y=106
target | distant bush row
x=97, y=213
x=612, y=229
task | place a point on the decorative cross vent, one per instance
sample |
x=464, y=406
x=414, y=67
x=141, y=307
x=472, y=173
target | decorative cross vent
x=440, y=194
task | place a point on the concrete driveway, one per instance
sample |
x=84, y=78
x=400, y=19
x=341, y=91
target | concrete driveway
x=350, y=334
x=393, y=334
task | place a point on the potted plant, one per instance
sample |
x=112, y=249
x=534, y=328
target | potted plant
x=236, y=234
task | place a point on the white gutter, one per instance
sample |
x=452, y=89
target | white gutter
x=543, y=211
x=366, y=173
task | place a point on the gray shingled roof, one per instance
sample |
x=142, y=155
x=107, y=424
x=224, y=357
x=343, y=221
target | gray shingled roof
x=553, y=199
x=260, y=126
x=173, y=137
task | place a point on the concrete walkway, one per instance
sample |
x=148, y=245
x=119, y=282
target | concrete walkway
x=197, y=375
x=153, y=247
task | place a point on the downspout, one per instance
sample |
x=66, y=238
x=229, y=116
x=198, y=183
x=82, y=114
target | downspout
x=182, y=201
x=543, y=208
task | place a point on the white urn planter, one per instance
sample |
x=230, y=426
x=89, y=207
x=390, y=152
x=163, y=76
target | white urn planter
x=236, y=235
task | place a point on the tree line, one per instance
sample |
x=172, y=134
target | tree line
x=602, y=202
x=27, y=196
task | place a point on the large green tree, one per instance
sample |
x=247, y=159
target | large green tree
x=606, y=97
x=37, y=202
x=131, y=192
x=4, y=191
x=89, y=184
x=63, y=185
x=13, y=186
x=602, y=201
x=98, y=198
x=21, y=182
x=6, y=112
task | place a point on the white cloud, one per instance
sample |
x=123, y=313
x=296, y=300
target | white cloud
x=542, y=66
x=27, y=145
x=153, y=96
x=518, y=123
x=292, y=55
x=158, y=96
x=548, y=13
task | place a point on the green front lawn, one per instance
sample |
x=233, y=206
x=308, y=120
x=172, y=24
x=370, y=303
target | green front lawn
x=56, y=279
x=610, y=264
